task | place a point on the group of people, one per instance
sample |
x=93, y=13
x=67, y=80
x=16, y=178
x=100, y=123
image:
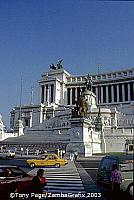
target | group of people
x=38, y=183
x=73, y=156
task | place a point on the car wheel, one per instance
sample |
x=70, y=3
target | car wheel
x=57, y=165
x=32, y=164
x=130, y=190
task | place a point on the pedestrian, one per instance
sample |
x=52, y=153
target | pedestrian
x=7, y=173
x=21, y=151
x=63, y=153
x=116, y=179
x=75, y=155
x=37, y=152
x=27, y=151
x=71, y=156
x=38, y=182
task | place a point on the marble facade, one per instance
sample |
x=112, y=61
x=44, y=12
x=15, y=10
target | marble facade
x=105, y=128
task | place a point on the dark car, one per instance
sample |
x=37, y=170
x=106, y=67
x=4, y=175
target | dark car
x=14, y=179
x=125, y=165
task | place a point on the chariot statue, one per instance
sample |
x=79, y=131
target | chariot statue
x=59, y=65
x=52, y=66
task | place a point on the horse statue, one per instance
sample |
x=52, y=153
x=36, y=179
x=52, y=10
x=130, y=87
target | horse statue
x=81, y=108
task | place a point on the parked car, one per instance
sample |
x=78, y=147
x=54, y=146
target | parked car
x=10, y=154
x=12, y=179
x=47, y=160
x=125, y=165
x=7, y=155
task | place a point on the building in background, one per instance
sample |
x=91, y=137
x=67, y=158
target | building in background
x=59, y=88
x=107, y=127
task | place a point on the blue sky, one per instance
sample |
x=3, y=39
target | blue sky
x=36, y=33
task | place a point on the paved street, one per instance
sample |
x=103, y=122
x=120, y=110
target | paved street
x=71, y=181
x=90, y=165
x=77, y=179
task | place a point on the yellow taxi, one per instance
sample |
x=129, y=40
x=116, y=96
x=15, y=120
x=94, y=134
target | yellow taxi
x=47, y=160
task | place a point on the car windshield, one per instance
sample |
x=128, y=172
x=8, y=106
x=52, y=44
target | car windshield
x=126, y=165
x=11, y=172
x=49, y=157
x=18, y=172
x=44, y=157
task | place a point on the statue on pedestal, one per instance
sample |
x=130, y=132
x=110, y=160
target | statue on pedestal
x=81, y=108
x=88, y=82
x=98, y=122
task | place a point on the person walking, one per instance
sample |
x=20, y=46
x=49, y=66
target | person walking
x=116, y=179
x=75, y=155
x=71, y=156
x=38, y=182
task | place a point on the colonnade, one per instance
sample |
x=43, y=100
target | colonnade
x=47, y=93
x=105, y=93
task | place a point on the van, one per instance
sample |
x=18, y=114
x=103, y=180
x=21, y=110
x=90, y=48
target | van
x=125, y=165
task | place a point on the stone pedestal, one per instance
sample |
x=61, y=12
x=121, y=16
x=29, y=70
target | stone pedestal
x=80, y=137
x=91, y=99
x=19, y=127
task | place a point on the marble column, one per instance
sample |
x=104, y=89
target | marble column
x=44, y=93
x=76, y=94
x=48, y=94
x=128, y=87
x=52, y=93
x=117, y=93
x=70, y=96
x=123, y=93
x=107, y=100
x=31, y=120
x=112, y=93
x=96, y=94
x=101, y=94
x=133, y=92
x=41, y=94
x=55, y=98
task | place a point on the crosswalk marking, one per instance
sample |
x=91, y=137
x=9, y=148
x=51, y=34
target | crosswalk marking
x=65, y=179
x=63, y=184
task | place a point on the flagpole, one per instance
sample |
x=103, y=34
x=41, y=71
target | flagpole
x=32, y=95
x=20, y=99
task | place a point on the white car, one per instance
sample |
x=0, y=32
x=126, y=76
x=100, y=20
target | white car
x=10, y=154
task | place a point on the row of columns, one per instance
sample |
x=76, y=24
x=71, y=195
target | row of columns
x=99, y=91
x=130, y=93
x=47, y=93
